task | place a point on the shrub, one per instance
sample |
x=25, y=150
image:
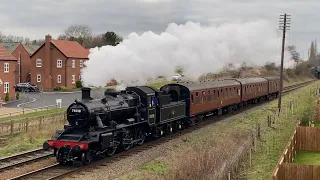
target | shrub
x=60, y=88
x=79, y=84
x=63, y=88
x=7, y=97
x=17, y=95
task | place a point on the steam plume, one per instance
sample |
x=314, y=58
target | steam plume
x=197, y=49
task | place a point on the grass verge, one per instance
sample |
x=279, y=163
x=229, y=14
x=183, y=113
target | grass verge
x=27, y=141
x=34, y=114
x=308, y=158
x=201, y=154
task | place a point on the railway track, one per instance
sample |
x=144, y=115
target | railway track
x=57, y=171
x=23, y=158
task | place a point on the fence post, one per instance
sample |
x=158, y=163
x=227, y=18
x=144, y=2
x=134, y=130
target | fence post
x=274, y=117
x=250, y=157
x=27, y=124
x=40, y=122
x=11, y=127
x=286, y=112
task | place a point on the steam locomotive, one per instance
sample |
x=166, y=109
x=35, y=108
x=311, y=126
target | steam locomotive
x=118, y=120
x=123, y=119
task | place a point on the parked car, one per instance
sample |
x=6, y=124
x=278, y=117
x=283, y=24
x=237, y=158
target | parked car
x=176, y=77
x=26, y=87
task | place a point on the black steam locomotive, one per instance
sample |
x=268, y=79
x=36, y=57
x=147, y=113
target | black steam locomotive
x=119, y=120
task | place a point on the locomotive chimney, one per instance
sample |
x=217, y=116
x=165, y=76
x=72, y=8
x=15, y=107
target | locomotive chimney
x=86, y=93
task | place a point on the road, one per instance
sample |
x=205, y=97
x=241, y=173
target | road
x=34, y=100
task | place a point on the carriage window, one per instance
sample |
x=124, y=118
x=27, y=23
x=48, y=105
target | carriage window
x=203, y=97
x=197, y=99
x=214, y=94
x=209, y=96
x=218, y=94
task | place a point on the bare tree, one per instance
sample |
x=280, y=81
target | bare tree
x=295, y=55
x=313, y=54
x=78, y=32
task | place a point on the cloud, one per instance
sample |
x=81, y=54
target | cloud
x=36, y=18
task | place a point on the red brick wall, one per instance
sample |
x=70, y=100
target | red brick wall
x=38, y=70
x=25, y=63
x=73, y=71
x=51, y=80
x=55, y=56
x=8, y=77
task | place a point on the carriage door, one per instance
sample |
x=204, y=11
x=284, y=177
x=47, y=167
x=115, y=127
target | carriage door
x=152, y=102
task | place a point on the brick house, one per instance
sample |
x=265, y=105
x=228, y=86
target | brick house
x=7, y=73
x=22, y=53
x=57, y=63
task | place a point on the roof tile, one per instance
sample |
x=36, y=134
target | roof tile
x=6, y=55
x=30, y=48
x=10, y=46
x=71, y=48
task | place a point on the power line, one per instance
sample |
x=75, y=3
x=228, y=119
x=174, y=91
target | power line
x=283, y=25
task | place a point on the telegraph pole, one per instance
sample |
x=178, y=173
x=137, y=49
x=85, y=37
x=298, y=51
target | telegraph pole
x=284, y=21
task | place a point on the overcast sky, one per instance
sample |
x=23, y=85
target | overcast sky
x=35, y=18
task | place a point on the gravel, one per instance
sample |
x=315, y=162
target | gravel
x=27, y=168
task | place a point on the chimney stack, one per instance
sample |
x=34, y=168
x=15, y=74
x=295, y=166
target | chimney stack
x=86, y=93
x=46, y=62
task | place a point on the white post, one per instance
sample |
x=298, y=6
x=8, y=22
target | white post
x=59, y=102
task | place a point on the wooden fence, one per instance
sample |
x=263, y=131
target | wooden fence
x=294, y=171
x=25, y=124
x=303, y=139
x=308, y=138
x=318, y=111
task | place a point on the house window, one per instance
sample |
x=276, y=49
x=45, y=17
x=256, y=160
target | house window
x=59, y=63
x=38, y=78
x=73, y=79
x=6, y=87
x=38, y=63
x=73, y=63
x=59, y=79
x=6, y=67
x=81, y=63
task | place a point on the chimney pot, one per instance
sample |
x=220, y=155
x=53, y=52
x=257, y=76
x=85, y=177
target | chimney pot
x=85, y=91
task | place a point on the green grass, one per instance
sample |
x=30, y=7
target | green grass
x=308, y=158
x=159, y=84
x=155, y=166
x=274, y=140
x=27, y=140
x=27, y=114
x=317, y=124
x=294, y=81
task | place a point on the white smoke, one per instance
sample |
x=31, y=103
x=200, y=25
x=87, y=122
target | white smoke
x=197, y=49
